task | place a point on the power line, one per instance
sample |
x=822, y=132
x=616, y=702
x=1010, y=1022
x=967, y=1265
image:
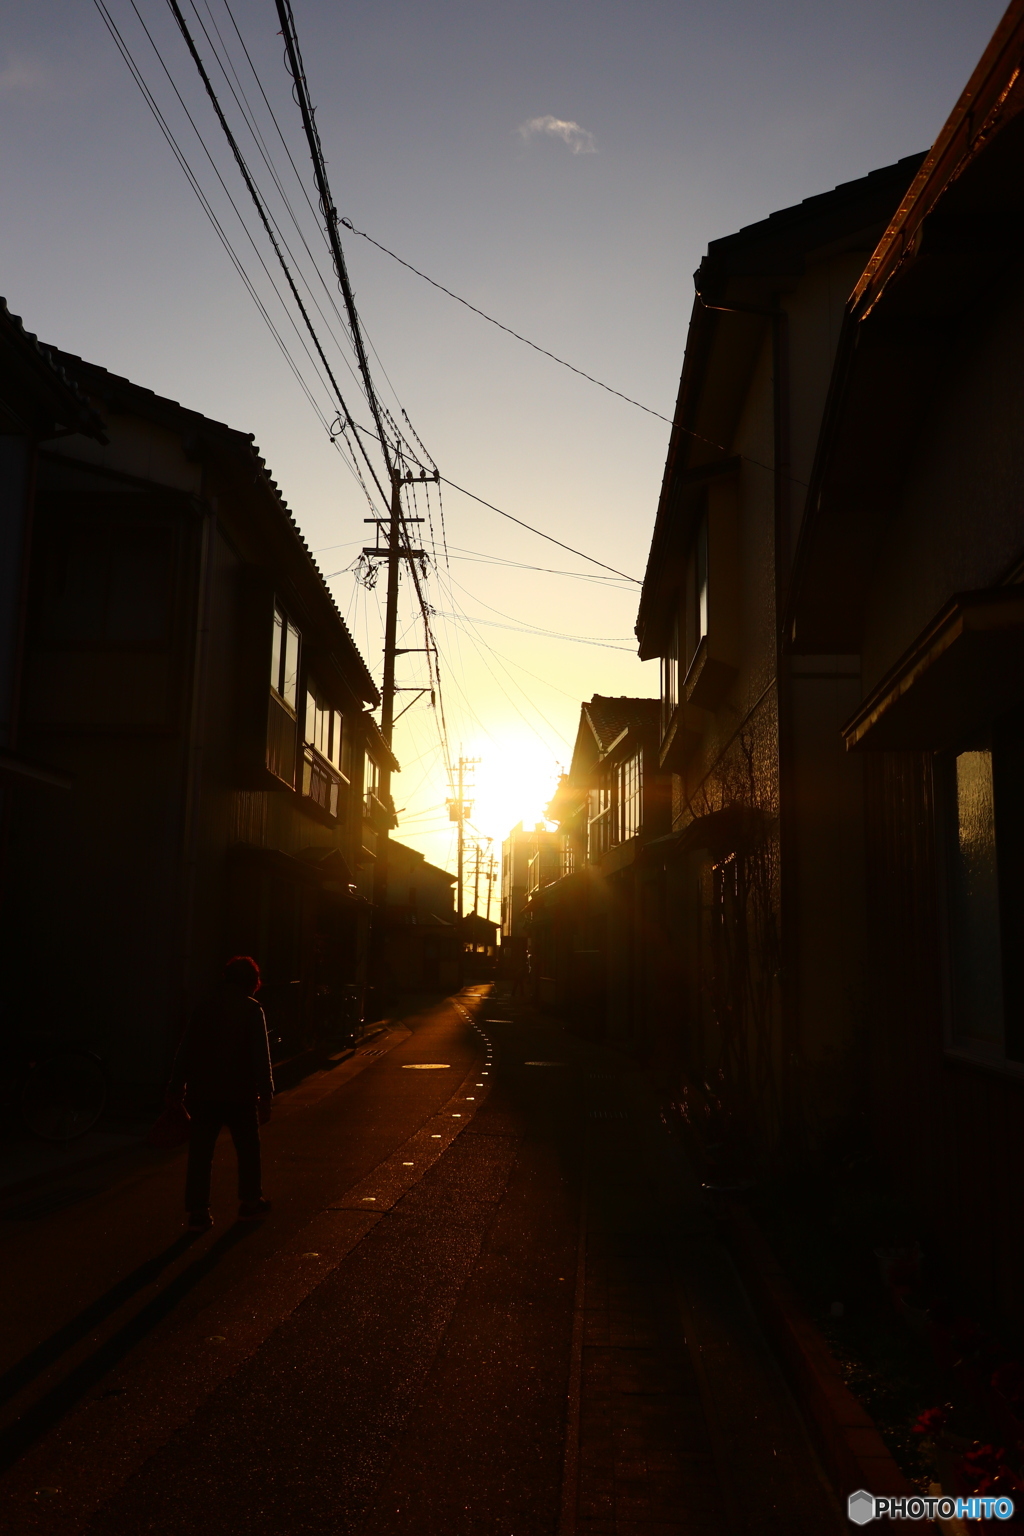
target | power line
x=330, y=214
x=204, y=202
x=531, y=529
x=552, y=634
x=688, y=431
x=559, y=634
x=250, y=186
x=506, y=328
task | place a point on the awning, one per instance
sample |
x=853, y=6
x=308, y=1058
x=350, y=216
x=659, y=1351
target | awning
x=732, y=829
x=964, y=669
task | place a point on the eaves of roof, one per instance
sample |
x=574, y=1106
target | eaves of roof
x=748, y=268
x=380, y=746
x=50, y=385
x=604, y=720
x=992, y=97
x=957, y=230
x=115, y=391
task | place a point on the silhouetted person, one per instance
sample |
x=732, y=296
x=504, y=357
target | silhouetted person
x=222, y=1070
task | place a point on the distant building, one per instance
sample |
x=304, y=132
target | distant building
x=183, y=665
x=589, y=937
x=422, y=938
x=479, y=943
x=517, y=851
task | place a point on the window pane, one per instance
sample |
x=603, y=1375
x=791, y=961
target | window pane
x=290, y=678
x=310, y=731
x=977, y=959
x=275, y=651
x=702, y=579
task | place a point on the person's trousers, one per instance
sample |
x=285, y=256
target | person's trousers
x=208, y=1120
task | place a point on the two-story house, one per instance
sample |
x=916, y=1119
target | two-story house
x=760, y=910
x=518, y=851
x=588, y=925
x=911, y=565
x=421, y=935
x=186, y=666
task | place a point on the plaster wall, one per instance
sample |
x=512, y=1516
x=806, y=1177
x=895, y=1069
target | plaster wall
x=959, y=519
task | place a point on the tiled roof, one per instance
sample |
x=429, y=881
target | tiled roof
x=811, y=208
x=76, y=409
x=94, y=372
x=609, y=717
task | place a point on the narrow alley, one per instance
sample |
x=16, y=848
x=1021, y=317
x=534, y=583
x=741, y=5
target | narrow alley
x=488, y=1300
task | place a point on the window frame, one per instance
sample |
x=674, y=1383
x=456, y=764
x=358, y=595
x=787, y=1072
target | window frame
x=1006, y=1053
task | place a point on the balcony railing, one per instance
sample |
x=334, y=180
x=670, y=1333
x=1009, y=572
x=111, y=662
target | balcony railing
x=375, y=811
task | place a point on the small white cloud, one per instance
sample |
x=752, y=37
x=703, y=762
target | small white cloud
x=19, y=77
x=575, y=138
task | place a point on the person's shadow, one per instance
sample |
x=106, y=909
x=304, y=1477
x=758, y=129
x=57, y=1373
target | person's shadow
x=44, y=1413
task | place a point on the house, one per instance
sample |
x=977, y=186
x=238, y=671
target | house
x=419, y=923
x=910, y=571
x=517, y=850
x=186, y=667
x=756, y=919
x=37, y=402
x=479, y=945
x=589, y=927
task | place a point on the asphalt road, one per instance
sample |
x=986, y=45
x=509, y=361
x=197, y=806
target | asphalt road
x=486, y=1301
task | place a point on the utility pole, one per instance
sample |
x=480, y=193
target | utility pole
x=476, y=881
x=387, y=706
x=490, y=883
x=458, y=810
x=395, y=552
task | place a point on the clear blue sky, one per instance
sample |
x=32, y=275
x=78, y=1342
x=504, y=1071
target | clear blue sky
x=690, y=120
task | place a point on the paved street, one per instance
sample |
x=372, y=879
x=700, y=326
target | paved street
x=487, y=1301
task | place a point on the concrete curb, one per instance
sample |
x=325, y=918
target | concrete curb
x=852, y=1450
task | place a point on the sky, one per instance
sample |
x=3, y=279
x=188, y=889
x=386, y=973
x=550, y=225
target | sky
x=561, y=166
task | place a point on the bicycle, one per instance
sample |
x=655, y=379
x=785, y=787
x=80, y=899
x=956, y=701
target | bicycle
x=57, y=1090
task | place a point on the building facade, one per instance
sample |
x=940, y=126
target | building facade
x=754, y=991
x=589, y=926
x=517, y=851
x=911, y=566
x=186, y=666
x=422, y=937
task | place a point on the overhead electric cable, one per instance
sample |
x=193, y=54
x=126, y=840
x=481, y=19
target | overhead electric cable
x=525, y=624
x=204, y=202
x=550, y=634
x=689, y=432
x=551, y=540
x=330, y=214
x=506, y=328
x=265, y=220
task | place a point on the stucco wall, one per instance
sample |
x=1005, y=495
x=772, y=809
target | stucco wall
x=960, y=518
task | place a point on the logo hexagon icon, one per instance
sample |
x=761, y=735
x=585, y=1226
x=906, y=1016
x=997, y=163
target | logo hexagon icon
x=860, y=1506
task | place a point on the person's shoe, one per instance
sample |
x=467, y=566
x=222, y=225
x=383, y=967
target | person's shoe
x=199, y=1221
x=252, y=1210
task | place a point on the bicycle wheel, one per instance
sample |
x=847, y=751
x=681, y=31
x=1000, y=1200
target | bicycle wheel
x=63, y=1096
